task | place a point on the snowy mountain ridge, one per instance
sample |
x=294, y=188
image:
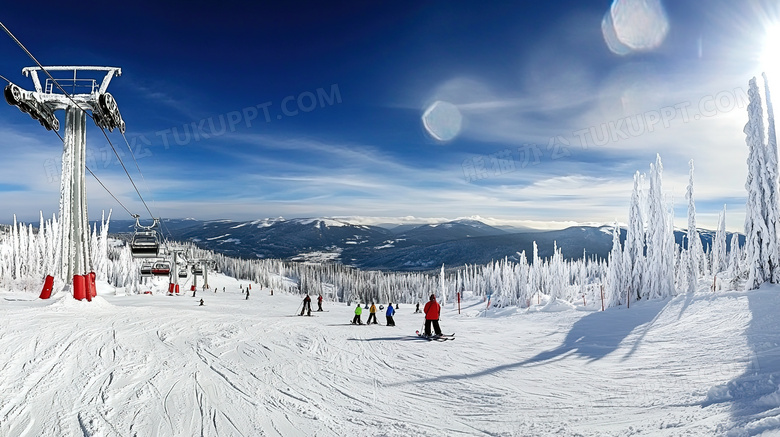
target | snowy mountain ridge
x=403, y=248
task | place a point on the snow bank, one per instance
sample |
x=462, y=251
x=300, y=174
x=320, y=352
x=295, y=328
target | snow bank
x=552, y=306
x=771, y=400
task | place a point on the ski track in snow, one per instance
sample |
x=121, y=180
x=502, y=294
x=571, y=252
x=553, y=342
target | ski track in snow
x=163, y=366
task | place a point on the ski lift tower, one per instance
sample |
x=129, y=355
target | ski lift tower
x=76, y=96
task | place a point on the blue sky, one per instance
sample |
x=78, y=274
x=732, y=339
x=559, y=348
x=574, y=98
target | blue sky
x=300, y=109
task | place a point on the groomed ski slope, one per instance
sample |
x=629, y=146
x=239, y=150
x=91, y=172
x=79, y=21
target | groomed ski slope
x=152, y=365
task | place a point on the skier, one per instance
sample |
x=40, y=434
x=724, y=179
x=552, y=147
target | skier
x=389, y=315
x=201, y=303
x=247, y=294
x=432, y=309
x=306, y=304
x=417, y=310
x=372, y=314
x=319, y=303
x=358, y=311
x=272, y=292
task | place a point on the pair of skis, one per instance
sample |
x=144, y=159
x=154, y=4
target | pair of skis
x=443, y=337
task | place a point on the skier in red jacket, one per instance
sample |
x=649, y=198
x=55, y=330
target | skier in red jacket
x=431, y=310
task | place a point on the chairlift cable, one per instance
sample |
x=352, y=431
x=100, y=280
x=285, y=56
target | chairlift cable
x=127, y=172
x=99, y=181
x=107, y=190
x=130, y=149
x=19, y=43
x=167, y=231
x=146, y=185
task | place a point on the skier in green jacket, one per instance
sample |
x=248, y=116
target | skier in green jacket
x=358, y=311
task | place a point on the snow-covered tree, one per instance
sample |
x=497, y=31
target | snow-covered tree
x=772, y=197
x=557, y=275
x=614, y=283
x=635, y=242
x=735, y=257
x=659, y=272
x=719, y=245
x=694, y=252
x=757, y=234
x=681, y=267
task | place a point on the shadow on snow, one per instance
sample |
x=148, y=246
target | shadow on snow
x=593, y=337
x=754, y=395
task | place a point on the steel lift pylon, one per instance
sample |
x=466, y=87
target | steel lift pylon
x=75, y=96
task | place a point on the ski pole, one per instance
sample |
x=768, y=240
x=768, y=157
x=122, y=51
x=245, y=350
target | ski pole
x=299, y=308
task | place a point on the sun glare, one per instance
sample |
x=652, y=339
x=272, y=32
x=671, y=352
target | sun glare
x=770, y=54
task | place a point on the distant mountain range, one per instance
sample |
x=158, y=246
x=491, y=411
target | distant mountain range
x=401, y=248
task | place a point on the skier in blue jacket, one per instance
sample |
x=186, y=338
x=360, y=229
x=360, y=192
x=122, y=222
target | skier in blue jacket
x=389, y=315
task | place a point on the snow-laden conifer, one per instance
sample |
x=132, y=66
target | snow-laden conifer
x=694, y=243
x=757, y=247
x=613, y=289
x=719, y=263
x=635, y=241
x=659, y=274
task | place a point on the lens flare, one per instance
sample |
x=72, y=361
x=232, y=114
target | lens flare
x=608, y=31
x=442, y=120
x=635, y=26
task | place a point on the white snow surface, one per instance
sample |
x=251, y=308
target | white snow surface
x=217, y=238
x=152, y=365
x=318, y=222
x=265, y=223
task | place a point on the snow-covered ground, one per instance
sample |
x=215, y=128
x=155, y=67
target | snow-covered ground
x=152, y=365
